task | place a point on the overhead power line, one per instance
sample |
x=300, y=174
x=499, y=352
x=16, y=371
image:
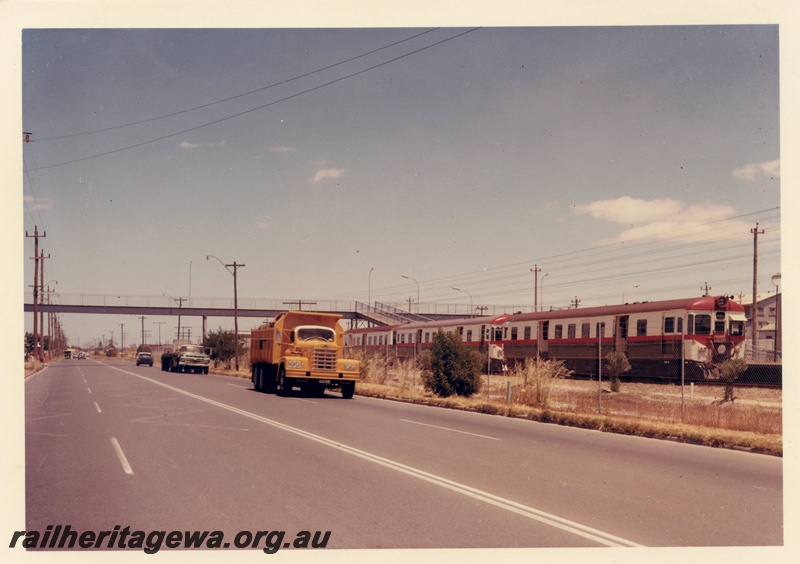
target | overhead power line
x=261, y=107
x=237, y=96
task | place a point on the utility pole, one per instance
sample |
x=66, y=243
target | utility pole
x=575, y=303
x=482, y=308
x=122, y=338
x=707, y=288
x=536, y=270
x=755, y=233
x=41, y=299
x=159, y=323
x=37, y=353
x=235, y=266
x=142, y=318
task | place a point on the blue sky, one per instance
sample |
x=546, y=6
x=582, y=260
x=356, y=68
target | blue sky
x=621, y=160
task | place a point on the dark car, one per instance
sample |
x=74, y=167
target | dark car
x=144, y=358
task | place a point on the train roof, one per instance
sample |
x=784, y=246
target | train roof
x=703, y=303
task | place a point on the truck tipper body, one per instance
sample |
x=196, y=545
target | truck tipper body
x=185, y=357
x=303, y=349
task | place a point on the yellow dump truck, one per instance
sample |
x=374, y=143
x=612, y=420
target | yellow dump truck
x=304, y=349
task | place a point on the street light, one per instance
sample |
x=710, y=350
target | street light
x=470, y=299
x=541, y=290
x=414, y=279
x=228, y=267
x=369, y=287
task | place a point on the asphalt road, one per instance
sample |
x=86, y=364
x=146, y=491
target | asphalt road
x=109, y=443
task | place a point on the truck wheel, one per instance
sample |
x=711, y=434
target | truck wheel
x=205, y=370
x=268, y=379
x=284, y=384
x=258, y=379
x=348, y=390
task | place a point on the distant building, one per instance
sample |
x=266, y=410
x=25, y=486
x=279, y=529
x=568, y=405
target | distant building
x=767, y=322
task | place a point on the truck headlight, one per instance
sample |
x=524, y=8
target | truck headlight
x=350, y=367
x=294, y=364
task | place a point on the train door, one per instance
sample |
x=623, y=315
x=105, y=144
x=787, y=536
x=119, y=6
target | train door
x=544, y=327
x=621, y=332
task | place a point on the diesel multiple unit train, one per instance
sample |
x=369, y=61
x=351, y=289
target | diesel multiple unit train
x=656, y=336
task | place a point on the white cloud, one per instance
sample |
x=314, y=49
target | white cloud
x=630, y=211
x=753, y=172
x=187, y=145
x=35, y=204
x=328, y=173
x=283, y=149
x=662, y=219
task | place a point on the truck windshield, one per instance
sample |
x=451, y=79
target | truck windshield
x=193, y=348
x=315, y=333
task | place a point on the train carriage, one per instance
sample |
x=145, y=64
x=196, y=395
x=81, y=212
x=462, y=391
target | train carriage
x=654, y=335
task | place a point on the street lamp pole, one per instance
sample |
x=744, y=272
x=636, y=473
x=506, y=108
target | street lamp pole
x=369, y=287
x=470, y=299
x=228, y=267
x=417, y=283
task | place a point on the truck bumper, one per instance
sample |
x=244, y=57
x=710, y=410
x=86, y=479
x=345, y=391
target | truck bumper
x=328, y=377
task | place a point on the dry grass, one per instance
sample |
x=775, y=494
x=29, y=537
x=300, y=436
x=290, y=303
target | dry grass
x=753, y=421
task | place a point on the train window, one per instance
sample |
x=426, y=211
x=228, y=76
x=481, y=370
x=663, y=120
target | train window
x=585, y=328
x=427, y=336
x=460, y=331
x=623, y=327
x=720, y=315
x=641, y=327
x=571, y=331
x=737, y=328
x=526, y=333
x=469, y=335
x=559, y=332
x=513, y=333
x=680, y=325
x=719, y=327
x=601, y=329
x=498, y=334
x=669, y=325
x=545, y=330
x=702, y=324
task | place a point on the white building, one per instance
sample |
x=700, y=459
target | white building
x=768, y=321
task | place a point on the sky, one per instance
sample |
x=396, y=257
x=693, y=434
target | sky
x=625, y=162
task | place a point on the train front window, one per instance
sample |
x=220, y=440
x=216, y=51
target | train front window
x=737, y=328
x=702, y=324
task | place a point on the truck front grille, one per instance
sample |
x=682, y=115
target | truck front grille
x=324, y=359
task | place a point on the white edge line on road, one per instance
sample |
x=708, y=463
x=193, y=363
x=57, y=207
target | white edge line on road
x=451, y=430
x=97, y=407
x=518, y=508
x=121, y=456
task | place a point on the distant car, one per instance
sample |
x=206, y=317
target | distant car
x=144, y=358
x=81, y=354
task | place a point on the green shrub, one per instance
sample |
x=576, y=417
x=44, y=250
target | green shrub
x=455, y=368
